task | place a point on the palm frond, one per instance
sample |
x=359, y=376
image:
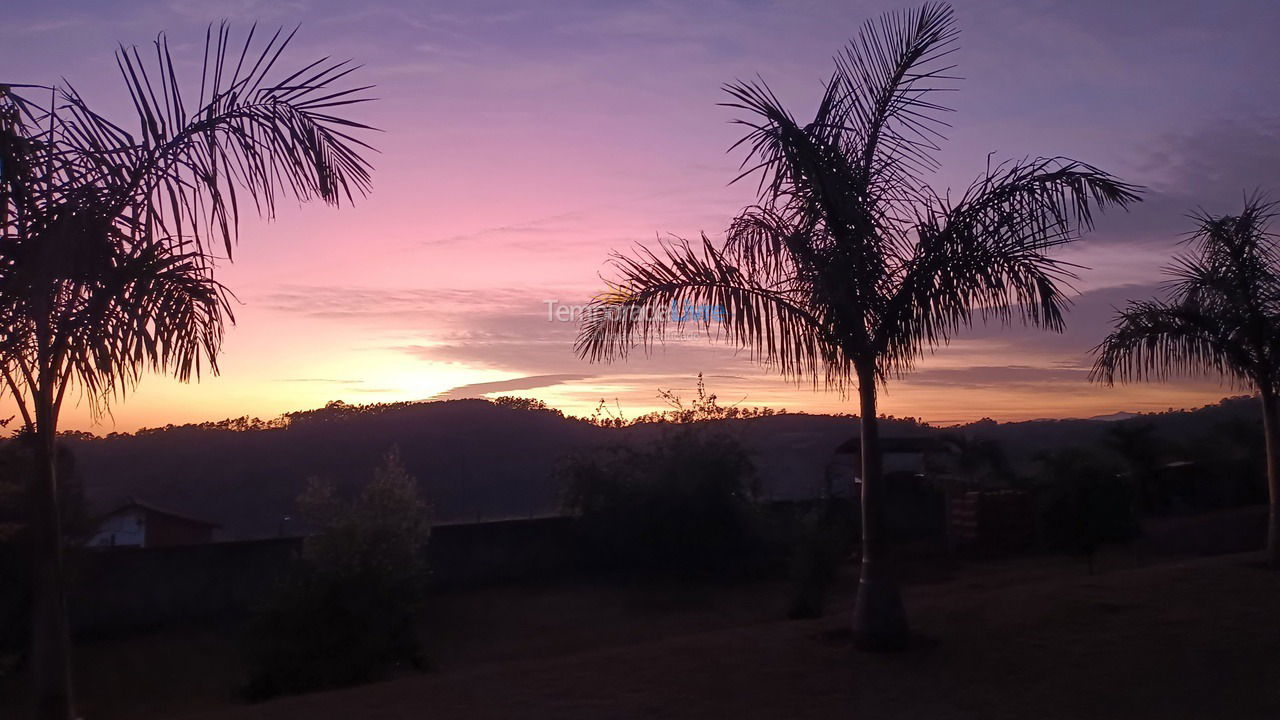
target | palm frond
x=252, y=133
x=811, y=169
x=1155, y=340
x=812, y=177
x=109, y=235
x=768, y=242
x=152, y=310
x=1233, y=266
x=847, y=241
x=854, y=172
x=988, y=255
x=100, y=310
x=658, y=290
x=890, y=116
x=1223, y=312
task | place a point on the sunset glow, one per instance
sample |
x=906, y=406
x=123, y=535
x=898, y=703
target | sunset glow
x=522, y=144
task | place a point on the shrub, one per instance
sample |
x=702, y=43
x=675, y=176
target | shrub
x=826, y=537
x=683, y=504
x=345, y=614
x=1086, y=503
x=525, y=404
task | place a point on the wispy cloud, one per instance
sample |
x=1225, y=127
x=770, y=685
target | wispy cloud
x=365, y=303
x=553, y=224
x=44, y=26
x=326, y=381
x=531, y=382
x=1001, y=376
x=251, y=10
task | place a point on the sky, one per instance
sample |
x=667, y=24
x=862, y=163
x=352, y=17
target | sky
x=521, y=143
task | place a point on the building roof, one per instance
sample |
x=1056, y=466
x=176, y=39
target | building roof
x=135, y=504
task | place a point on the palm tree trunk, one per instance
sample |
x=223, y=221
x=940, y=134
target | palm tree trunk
x=50, y=639
x=879, y=620
x=948, y=515
x=1271, y=429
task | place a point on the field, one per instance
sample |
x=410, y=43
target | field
x=1032, y=637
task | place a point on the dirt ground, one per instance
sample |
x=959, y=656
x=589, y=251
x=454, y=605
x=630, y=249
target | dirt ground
x=1032, y=638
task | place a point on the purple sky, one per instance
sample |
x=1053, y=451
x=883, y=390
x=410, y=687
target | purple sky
x=524, y=141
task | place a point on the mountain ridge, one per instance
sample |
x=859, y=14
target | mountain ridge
x=477, y=460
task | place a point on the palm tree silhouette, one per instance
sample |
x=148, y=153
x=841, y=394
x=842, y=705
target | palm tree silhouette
x=850, y=267
x=1136, y=444
x=1221, y=316
x=107, y=256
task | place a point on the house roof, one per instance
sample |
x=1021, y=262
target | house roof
x=136, y=504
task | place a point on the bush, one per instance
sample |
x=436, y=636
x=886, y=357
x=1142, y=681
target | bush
x=1086, y=503
x=827, y=535
x=345, y=615
x=683, y=504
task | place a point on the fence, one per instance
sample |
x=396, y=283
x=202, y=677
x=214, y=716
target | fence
x=125, y=588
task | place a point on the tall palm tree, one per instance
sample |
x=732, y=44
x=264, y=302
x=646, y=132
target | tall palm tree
x=1221, y=315
x=107, y=252
x=850, y=267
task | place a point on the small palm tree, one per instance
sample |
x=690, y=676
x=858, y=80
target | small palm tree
x=1221, y=316
x=850, y=267
x=108, y=240
x=976, y=461
x=1136, y=444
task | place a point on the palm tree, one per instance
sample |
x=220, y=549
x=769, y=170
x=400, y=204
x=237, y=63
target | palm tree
x=975, y=459
x=849, y=267
x=1221, y=315
x=107, y=253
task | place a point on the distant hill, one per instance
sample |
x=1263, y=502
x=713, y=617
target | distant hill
x=1114, y=417
x=1181, y=430
x=473, y=459
x=478, y=460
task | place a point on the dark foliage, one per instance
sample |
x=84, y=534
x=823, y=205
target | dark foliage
x=525, y=404
x=346, y=613
x=1220, y=316
x=681, y=504
x=322, y=632
x=1085, y=503
x=827, y=536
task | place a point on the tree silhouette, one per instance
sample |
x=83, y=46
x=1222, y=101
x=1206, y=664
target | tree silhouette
x=1221, y=316
x=1136, y=444
x=850, y=266
x=107, y=254
x=976, y=460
